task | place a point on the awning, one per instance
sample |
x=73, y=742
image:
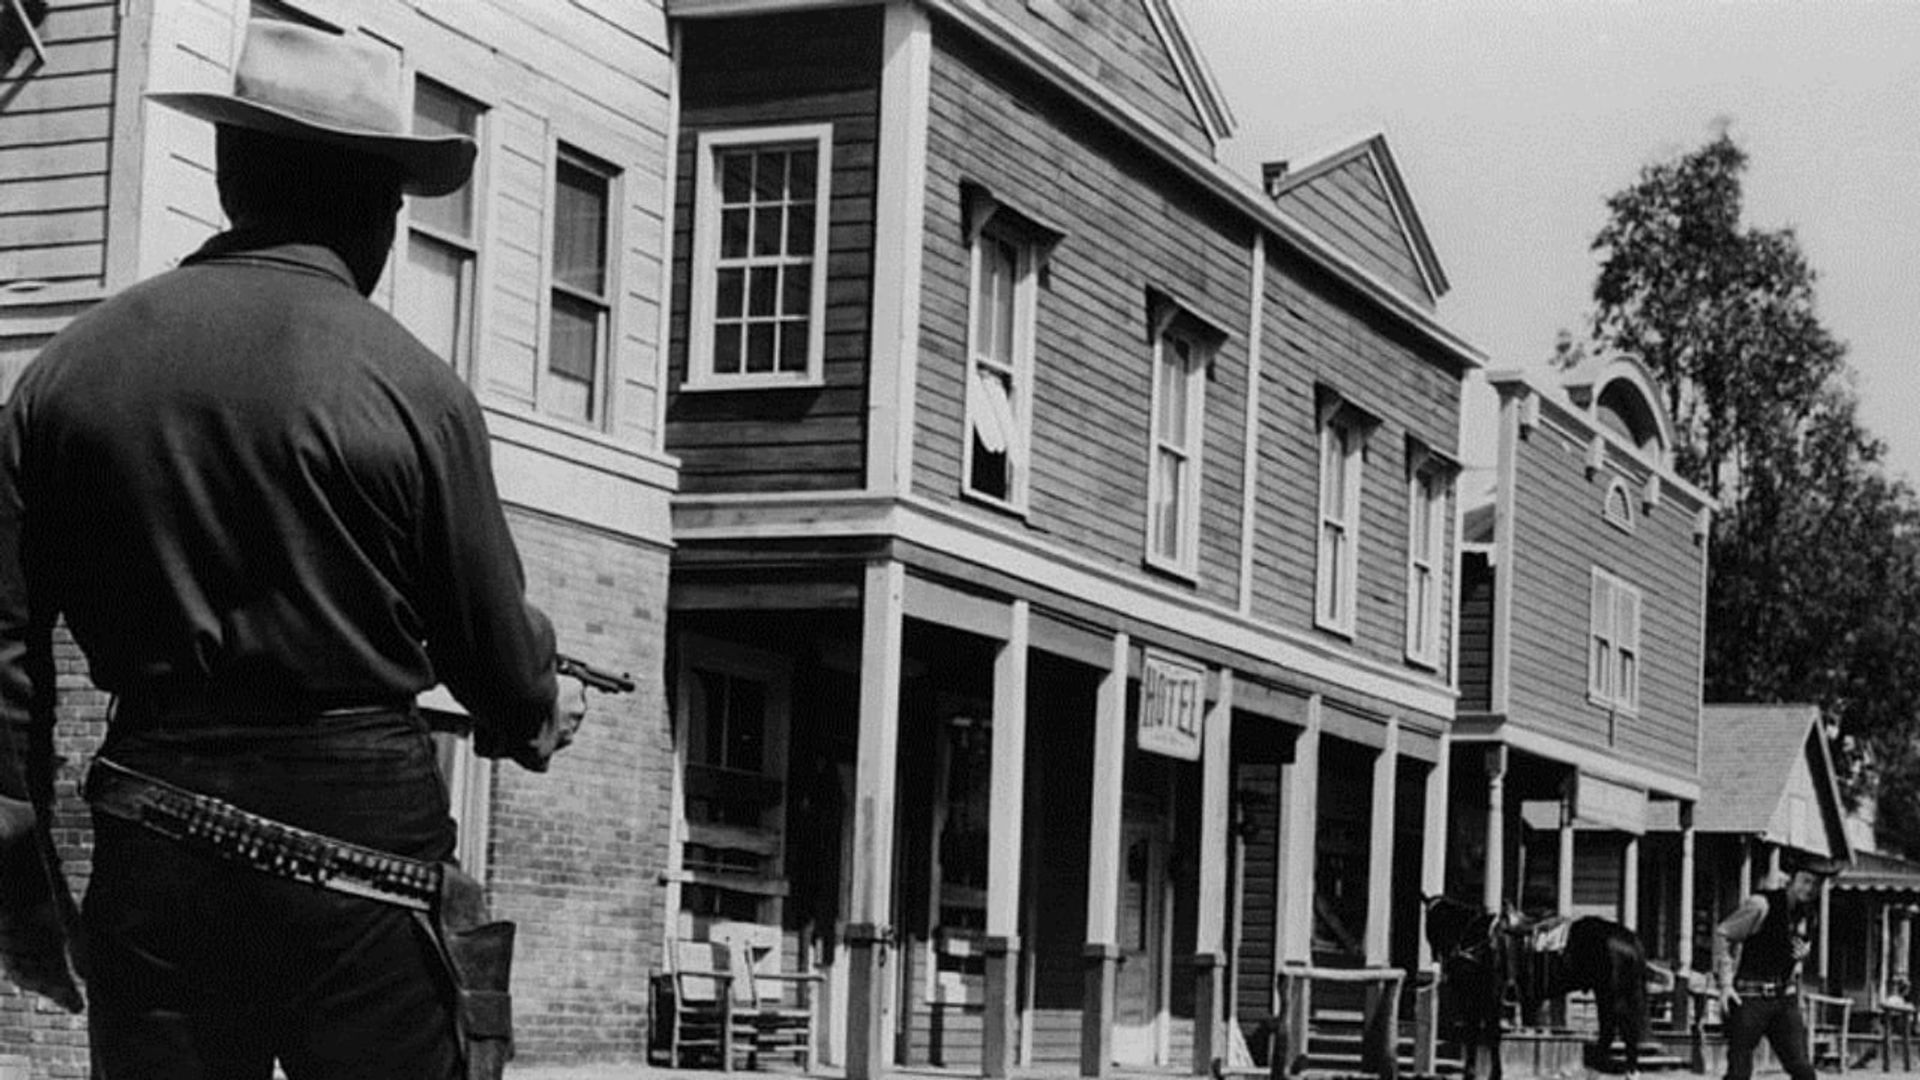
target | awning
x=1874, y=871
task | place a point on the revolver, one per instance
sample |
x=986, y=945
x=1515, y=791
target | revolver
x=599, y=678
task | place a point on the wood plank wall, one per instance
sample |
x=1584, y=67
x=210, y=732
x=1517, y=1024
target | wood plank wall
x=56, y=123
x=1559, y=537
x=805, y=68
x=1129, y=225
x=1317, y=333
x=1348, y=205
x=1476, y=632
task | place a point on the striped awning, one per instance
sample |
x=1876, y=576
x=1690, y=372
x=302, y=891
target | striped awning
x=1874, y=871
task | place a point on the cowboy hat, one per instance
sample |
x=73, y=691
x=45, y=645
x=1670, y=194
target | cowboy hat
x=1796, y=862
x=301, y=83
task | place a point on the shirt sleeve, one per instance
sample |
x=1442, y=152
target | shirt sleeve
x=1731, y=932
x=492, y=649
x=26, y=632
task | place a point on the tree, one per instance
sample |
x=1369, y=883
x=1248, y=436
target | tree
x=1814, y=579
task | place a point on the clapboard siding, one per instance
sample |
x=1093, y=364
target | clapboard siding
x=1559, y=538
x=1317, y=333
x=1597, y=874
x=1129, y=227
x=55, y=126
x=1257, y=789
x=1476, y=632
x=806, y=68
x=1349, y=206
x=1117, y=45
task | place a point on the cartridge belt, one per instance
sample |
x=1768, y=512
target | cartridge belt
x=1762, y=988
x=219, y=828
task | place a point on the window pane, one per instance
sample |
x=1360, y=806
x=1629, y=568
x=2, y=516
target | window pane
x=438, y=111
x=796, y=289
x=801, y=174
x=1333, y=475
x=726, y=348
x=996, y=277
x=733, y=234
x=574, y=338
x=1173, y=395
x=1003, y=303
x=769, y=176
x=580, y=228
x=793, y=346
x=760, y=347
x=1171, y=481
x=768, y=232
x=433, y=304
x=762, y=283
x=730, y=294
x=736, y=177
x=800, y=229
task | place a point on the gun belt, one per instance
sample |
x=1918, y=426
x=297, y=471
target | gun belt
x=225, y=831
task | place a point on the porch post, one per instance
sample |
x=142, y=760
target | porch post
x=1494, y=889
x=1433, y=854
x=1210, y=939
x=1826, y=934
x=1683, y=948
x=1377, y=942
x=1300, y=809
x=1630, y=884
x=1746, y=866
x=869, y=937
x=1103, y=865
x=1006, y=794
x=1563, y=877
x=1902, y=944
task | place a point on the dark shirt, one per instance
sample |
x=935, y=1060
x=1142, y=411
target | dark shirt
x=1756, y=941
x=242, y=481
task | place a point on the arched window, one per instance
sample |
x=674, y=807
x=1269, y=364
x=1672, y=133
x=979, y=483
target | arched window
x=1619, y=506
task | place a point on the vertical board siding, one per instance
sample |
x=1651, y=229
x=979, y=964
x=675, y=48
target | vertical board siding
x=1559, y=537
x=55, y=120
x=783, y=69
x=1316, y=333
x=1116, y=44
x=1476, y=633
x=1350, y=207
x=1129, y=226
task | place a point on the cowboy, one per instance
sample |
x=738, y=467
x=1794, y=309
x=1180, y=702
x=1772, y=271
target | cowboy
x=267, y=516
x=1757, y=952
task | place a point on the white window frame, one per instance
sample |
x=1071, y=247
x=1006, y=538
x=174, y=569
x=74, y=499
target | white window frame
x=1615, y=610
x=707, y=262
x=1426, y=501
x=1618, y=493
x=472, y=249
x=1184, y=560
x=1027, y=256
x=1343, y=442
x=467, y=776
x=607, y=301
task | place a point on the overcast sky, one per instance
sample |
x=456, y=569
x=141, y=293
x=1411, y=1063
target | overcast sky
x=1513, y=121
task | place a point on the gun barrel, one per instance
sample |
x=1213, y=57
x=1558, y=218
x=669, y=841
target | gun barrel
x=599, y=678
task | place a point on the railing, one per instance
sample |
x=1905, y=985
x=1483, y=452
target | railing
x=1379, y=1049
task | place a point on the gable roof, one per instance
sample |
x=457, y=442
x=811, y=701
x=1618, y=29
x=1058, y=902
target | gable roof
x=1362, y=178
x=1209, y=101
x=1750, y=755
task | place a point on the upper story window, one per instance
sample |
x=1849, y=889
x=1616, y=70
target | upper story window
x=580, y=287
x=999, y=369
x=760, y=257
x=1613, y=651
x=1179, y=402
x=436, y=287
x=1343, y=442
x=1428, y=480
x=1618, y=509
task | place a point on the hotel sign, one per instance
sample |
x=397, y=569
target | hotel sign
x=1173, y=701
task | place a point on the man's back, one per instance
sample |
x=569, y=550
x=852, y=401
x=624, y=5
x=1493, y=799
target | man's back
x=237, y=470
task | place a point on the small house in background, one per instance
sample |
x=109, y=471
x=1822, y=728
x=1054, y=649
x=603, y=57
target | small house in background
x=1576, y=764
x=1768, y=788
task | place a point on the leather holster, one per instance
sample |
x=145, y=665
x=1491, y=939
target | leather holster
x=478, y=955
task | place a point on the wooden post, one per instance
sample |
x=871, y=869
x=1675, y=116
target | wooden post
x=1377, y=941
x=1825, y=944
x=1433, y=854
x=1300, y=794
x=1683, y=950
x=1102, y=951
x=1630, y=884
x=1006, y=797
x=1563, y=877
x=1210, y=938
x=868, y=935
x=1493, y=891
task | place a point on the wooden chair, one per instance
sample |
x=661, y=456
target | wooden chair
x=784, y=1003
x=1829, y=1019
x=702, y=1011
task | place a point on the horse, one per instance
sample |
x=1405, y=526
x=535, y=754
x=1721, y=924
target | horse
x=1485, y=956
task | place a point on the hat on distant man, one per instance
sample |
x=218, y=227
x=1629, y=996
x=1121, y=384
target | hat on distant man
x=1798, y=862
x=307, y=84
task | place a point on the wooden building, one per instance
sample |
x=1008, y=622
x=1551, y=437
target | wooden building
x=541, y=283
x=1061, y=604
x=1768, y=788
x=1576, y=758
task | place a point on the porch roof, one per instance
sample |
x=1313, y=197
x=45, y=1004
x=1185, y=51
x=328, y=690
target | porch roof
x=1749, y=756
x=1875, y=871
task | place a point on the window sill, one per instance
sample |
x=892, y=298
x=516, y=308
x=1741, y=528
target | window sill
x=1186, y=575
x=722, y=384
x=1345, y=632
x=990, y=502
x=1424, y=663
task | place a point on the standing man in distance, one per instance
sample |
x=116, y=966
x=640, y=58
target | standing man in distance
x=1757, y=951
x=268, y=517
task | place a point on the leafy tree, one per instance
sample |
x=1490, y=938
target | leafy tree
x=1814, y=579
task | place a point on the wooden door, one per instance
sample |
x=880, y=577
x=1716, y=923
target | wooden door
x=1140, y=995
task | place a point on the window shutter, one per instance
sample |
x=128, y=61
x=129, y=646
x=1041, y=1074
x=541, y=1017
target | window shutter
x=1600, y=653
x=1626, y=623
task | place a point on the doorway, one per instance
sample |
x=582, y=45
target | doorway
x=1139, y=1027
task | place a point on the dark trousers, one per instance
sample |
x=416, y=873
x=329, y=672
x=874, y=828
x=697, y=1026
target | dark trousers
x=1780, y=1020
x=206, y=970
